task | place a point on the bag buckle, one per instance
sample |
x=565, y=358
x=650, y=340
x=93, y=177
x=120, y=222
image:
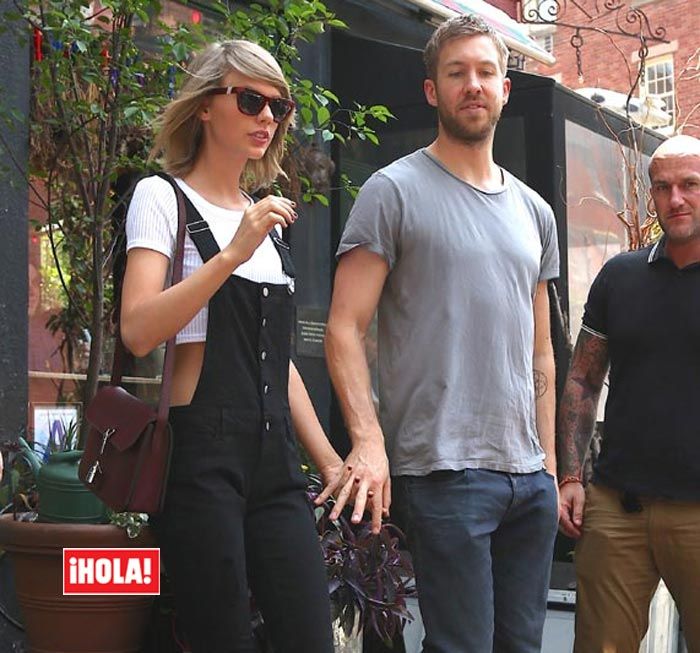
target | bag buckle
x=194, y=228
x=95, y=468
x=105, y=436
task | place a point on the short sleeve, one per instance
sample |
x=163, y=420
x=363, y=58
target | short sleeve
x=595, y=312
x=549, y=261
x=374, y=220
x=151, y=221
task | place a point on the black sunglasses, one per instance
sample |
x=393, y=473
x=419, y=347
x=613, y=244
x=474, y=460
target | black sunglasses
x=251, y=103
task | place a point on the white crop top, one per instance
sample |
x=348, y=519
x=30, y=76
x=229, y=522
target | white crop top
x=151, y=223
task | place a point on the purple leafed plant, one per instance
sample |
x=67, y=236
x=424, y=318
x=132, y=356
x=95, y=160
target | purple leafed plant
x=368, y=575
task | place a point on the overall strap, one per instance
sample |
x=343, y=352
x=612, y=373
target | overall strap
x=283, y=249
x=285, y=254
x=200, y=232
x=203, y=239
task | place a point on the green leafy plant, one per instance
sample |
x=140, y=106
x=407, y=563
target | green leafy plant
x=99, y=79
x=131, y=522
x=18, y=488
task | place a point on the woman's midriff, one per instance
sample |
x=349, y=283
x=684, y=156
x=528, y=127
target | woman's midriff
x=189, y=358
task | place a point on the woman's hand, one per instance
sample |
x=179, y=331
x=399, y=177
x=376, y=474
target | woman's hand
x=331, y=471
x=364, y=481
x=257, y=222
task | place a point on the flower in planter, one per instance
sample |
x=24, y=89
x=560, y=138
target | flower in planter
x=369, y=576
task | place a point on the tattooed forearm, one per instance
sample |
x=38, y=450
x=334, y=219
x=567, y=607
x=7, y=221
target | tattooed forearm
x=579, y=403
x=540, y=383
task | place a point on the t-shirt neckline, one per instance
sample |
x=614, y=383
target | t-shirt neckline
x=442, y=166
x=216, y=207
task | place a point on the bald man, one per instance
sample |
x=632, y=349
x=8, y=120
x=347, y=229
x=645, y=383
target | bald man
x=638, y=520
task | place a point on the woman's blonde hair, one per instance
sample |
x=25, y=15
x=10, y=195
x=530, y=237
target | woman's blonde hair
x=179, y=129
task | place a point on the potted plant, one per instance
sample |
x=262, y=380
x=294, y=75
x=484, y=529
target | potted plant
x=370, y=577
x=35, y=529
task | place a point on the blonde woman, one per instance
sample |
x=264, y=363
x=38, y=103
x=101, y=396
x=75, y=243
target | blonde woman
x=235, y=513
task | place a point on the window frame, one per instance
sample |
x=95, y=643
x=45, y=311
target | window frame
x=658, y=61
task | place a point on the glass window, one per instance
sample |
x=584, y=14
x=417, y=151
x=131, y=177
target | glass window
x=659, y=83
x=546, y=42
x=52, y=391
x=58, y=344
x=600, y=174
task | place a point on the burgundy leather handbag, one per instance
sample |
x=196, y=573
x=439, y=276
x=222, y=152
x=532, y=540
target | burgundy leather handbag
x=127, y=452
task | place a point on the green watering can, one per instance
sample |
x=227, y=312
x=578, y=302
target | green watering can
x=62, y=495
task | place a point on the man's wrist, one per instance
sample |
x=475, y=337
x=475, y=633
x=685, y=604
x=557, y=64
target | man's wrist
x=570, y=478
x=367, y=436
x=550, y=464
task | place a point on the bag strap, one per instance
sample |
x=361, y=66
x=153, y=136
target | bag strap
x=120, y=352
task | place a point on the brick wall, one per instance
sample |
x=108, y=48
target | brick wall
x=604, y=59
x=509, y=6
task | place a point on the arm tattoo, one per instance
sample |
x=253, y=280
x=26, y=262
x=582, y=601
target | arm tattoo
x=540, y=383
x=579, y=403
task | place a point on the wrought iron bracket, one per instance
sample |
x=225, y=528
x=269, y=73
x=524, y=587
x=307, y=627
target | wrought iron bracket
x=629, y=22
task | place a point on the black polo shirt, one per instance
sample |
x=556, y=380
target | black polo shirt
x=649, y=312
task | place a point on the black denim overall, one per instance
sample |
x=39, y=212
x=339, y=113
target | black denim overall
x=235, y=512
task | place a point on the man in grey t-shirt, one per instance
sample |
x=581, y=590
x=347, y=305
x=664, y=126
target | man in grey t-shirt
x=456, y=253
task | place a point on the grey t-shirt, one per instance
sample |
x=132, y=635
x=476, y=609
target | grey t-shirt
x=455, y=318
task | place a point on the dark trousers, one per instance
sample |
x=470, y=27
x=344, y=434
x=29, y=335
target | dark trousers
x=482, y=546
x=235, y=516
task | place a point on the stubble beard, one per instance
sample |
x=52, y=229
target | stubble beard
x=688, y=235
x=465, y=133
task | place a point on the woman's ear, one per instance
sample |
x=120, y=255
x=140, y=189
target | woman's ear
x=204, y=111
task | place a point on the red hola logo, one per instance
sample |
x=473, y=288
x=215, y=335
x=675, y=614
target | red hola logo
x=111, y=571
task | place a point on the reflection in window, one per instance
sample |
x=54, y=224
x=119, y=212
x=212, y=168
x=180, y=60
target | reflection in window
x=46, y=352
x=44, y=346
x=597, y=187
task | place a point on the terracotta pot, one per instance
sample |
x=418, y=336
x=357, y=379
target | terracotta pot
x=71, y=624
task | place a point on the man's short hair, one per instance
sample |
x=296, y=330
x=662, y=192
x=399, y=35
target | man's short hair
x=462, y=25
x=676, y=146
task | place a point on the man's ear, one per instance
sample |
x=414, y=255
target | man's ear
x=506, y=90
x=430, y=90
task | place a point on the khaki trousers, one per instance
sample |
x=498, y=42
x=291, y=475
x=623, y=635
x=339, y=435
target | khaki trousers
x=619, y=560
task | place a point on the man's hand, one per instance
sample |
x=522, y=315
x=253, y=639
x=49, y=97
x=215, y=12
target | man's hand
x=363, y=478
x=572, y=498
